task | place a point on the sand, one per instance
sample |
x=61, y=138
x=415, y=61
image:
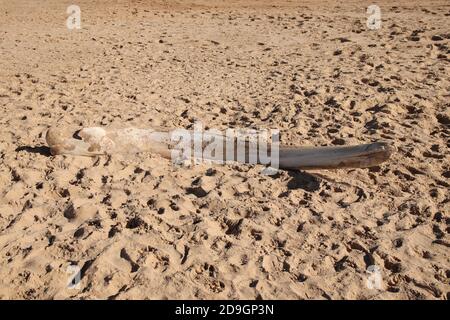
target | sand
x=140, y=228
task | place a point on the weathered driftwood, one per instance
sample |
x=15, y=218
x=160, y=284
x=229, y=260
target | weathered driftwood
x=98, y=141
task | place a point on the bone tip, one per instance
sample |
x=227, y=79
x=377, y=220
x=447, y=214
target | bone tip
x=55, y=139
x=386, y=147
x=54, y=136
x=383, y=149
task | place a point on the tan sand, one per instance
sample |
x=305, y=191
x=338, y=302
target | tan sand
x=142, y=228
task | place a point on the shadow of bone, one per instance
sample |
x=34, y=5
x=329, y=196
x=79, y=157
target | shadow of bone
x=303, y=180
x=42, y=150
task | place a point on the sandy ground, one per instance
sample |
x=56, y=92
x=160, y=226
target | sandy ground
x=139, y=227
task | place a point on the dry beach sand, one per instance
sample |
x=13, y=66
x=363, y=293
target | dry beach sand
x=139, y=227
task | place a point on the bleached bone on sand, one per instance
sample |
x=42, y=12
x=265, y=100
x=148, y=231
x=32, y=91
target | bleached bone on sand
x=99, y=141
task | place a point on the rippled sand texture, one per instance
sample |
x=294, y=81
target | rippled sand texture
x=139, y=227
